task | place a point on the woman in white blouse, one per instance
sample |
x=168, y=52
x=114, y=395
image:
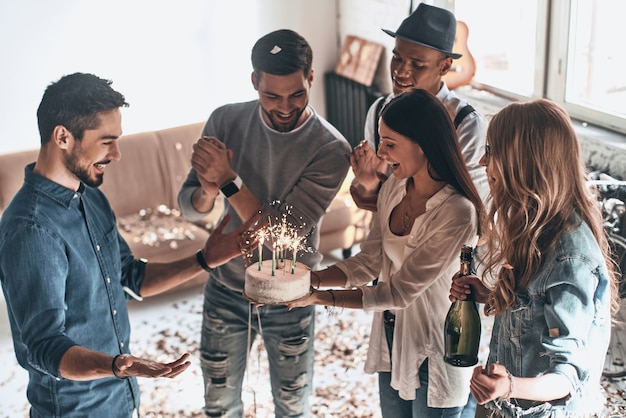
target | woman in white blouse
x=427, y=209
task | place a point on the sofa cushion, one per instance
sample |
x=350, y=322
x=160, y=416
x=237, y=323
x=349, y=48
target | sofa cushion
x=152, y=169
x=139, y=180
x=177, y=145
x=344, y=223
x=338, y=216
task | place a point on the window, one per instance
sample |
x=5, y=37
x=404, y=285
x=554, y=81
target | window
x=504, y=48
x=595, y=77
x=567, y=50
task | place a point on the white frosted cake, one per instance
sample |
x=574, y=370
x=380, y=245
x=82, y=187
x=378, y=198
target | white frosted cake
x=283, y=286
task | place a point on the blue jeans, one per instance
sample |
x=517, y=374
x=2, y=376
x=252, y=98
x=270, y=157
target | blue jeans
x=393, y=406
x=288, y=339
x=469, y=410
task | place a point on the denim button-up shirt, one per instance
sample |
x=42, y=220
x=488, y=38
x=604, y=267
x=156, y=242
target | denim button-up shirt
x=560, y=324
x=63, y=266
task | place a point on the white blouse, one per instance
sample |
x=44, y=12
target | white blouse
x=417, y=292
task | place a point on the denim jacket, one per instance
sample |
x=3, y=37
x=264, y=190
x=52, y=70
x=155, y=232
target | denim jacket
x=560, y=324
x=63, y=266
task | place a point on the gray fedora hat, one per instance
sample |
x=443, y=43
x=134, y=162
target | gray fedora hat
x=430, y=26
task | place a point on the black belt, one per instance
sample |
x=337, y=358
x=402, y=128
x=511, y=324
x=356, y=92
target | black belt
x=390, y=321
x=389, y=318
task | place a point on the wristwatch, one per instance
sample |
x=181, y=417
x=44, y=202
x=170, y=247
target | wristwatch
x=231, y=187
x=202, y=261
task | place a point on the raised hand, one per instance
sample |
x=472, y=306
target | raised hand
x=368, y=168
x=369, y=171
x=211, y=160
x=220, y=247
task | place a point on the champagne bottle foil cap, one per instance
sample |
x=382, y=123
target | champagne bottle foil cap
x=466, y=253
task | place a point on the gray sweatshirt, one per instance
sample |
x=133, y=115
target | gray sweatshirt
x=296, y=173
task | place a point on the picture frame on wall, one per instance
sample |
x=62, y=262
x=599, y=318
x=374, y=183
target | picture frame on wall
x=359, y=59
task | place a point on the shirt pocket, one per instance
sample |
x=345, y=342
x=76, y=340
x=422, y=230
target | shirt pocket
x=520, y=317
x=110, y=250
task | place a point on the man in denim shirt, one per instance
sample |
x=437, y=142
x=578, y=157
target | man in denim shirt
x=66, y=271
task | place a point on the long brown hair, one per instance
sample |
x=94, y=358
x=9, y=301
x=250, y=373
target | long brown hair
x=541, y=189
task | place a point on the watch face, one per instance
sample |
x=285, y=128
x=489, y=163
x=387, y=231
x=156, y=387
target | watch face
x=229, y=189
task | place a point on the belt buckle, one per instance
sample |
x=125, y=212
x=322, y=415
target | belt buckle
x=389, y=318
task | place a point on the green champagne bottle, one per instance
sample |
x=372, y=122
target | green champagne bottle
x=462, y=325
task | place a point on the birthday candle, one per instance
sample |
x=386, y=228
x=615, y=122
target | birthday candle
x=273, y=257
x=261, y=240
x=283, y=238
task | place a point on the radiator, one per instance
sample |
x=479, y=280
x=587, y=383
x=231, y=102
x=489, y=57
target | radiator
x=347, y=102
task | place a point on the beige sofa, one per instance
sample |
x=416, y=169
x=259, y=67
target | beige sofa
x=143, y=187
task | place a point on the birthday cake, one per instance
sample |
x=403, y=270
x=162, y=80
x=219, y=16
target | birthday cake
x=269, y=285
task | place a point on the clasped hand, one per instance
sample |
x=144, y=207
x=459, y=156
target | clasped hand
x=211, y=160
x=369, y=171
x=367, y=166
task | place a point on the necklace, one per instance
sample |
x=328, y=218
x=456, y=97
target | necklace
x=408, y=214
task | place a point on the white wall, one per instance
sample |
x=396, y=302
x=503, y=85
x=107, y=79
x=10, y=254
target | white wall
x=367, y=18
x=174, y=61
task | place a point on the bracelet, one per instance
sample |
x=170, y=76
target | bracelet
x=330, y=310
x=202, y=261
x=512, y=385
x=113, y=369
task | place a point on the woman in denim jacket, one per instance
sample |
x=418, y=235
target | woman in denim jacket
x=554, y=287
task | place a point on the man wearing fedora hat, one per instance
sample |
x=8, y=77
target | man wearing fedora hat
x=421, y=57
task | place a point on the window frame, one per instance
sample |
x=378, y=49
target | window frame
x=551, y=64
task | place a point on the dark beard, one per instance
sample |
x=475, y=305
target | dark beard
x=81, y=172
x=280, y=127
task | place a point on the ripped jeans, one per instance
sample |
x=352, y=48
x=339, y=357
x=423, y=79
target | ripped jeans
x=288, y=339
